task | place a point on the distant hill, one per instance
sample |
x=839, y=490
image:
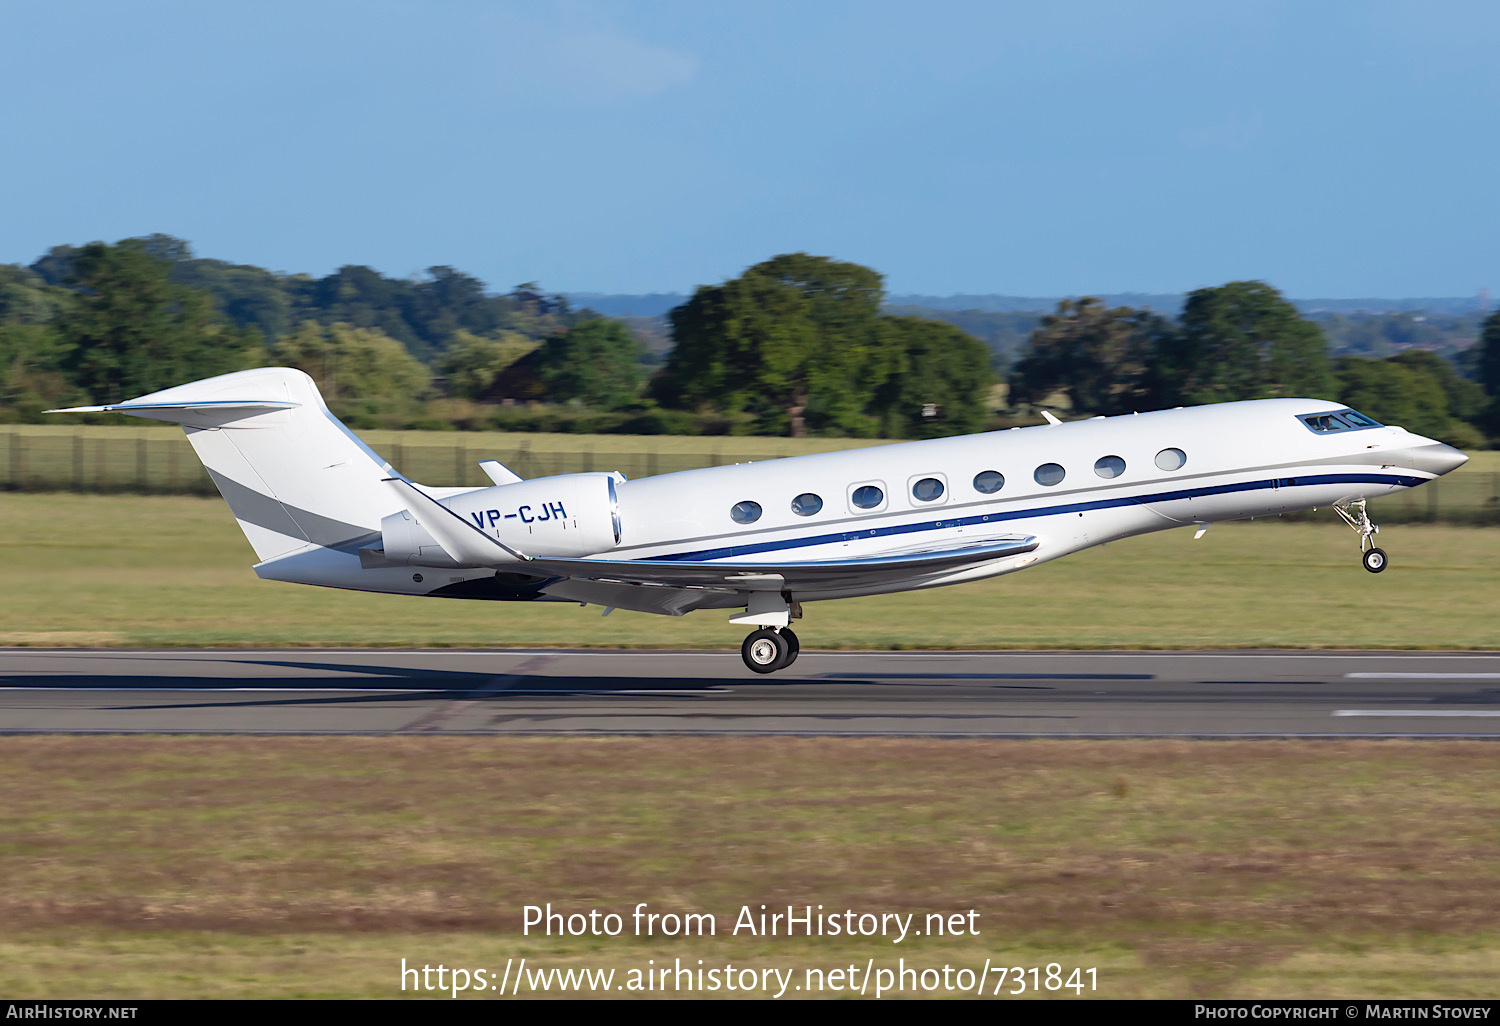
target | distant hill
x=652, y=304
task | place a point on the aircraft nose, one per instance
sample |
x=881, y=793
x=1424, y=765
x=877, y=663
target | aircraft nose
x=1431, y=457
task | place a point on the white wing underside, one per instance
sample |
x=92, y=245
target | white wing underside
x=805, y=576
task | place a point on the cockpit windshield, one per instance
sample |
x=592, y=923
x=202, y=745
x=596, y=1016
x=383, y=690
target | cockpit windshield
x=1339, y=420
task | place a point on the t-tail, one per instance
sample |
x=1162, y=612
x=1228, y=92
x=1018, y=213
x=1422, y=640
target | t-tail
x=291, y=472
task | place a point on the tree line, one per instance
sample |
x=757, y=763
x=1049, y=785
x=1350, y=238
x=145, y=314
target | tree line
x=1243, y=340
x=795, y=345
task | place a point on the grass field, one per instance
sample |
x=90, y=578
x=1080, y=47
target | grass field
x=258, y=867
x=94, y=570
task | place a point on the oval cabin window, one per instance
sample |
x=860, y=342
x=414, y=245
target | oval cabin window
x=1049, y=474
x=746, y=512
x=806, y=504
x=1171, y=459
x=1109, y=467
x=989, y=481
x=867, y=497
x=927, y=489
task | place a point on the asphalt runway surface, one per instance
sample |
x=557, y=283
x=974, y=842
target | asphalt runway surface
x=960, y=694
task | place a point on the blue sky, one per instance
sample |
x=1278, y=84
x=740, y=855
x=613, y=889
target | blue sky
x=1335, y=149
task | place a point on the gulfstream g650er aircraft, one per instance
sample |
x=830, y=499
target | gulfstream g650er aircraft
x=320, y=507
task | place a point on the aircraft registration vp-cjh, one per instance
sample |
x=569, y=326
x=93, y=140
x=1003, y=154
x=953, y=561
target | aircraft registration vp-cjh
x=320, y=507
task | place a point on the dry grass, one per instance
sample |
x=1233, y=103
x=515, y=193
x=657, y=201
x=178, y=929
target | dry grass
x=1233, y=869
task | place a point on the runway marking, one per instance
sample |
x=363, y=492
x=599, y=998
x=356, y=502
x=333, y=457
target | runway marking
x=210, y=689
x=1402, y=713
x=669, y=692
x=940, y=675
x=1423, y=676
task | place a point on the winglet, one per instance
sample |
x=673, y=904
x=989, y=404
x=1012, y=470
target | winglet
x=1050, y=419
x=459, y=538
x=498, y=472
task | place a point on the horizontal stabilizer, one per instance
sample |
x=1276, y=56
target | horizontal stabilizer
x=809, y=575
x=221, y=409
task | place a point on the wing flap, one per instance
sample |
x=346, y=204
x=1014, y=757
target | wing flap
x=806, y=575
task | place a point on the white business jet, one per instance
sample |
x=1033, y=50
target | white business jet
x=320, y=507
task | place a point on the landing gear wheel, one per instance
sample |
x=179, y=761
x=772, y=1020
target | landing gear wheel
x=1354, y=514
x=794, y=647
x=766, y=651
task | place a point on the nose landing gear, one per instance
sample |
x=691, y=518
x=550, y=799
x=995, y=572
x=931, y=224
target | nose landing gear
x=1355, y=515
x=770, y=649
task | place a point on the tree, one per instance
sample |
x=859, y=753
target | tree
x=1465, y=398
x=595, y=362
x=1487, y=368
x=26, y=298
x=55, y=265
x=1099, y=356
x=795, y=341
x=1395, y=393
x=132, y=331
x=1241, y=341
x=472, y=363
x=940, y=385
x=360, y=368
x=250, y=296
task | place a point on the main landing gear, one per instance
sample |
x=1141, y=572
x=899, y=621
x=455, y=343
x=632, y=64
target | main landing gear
x=773, y=647
x=770, y=649
x=1355, y=515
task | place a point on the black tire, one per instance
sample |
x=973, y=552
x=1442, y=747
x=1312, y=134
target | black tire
x=1374, y=560
x=794, y=647
x=765, y=651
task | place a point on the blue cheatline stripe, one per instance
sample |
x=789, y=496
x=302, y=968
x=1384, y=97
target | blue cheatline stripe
x=1023, y=514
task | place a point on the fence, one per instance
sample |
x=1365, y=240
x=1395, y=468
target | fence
x=163, y=462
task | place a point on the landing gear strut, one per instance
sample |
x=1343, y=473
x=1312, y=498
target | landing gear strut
x=770, y=649
x=1355, y=515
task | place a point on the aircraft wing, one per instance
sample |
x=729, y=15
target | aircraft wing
x=809, y=575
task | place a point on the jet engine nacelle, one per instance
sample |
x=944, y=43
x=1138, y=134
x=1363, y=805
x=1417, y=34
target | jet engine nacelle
x=569, y=515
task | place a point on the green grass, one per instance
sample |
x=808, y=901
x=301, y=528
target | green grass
x=262, y=867
x=175, y=571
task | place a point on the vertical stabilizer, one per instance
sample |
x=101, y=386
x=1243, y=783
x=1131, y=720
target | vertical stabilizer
x=290, y=471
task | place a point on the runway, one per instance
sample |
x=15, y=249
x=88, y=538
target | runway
x=988, y=694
